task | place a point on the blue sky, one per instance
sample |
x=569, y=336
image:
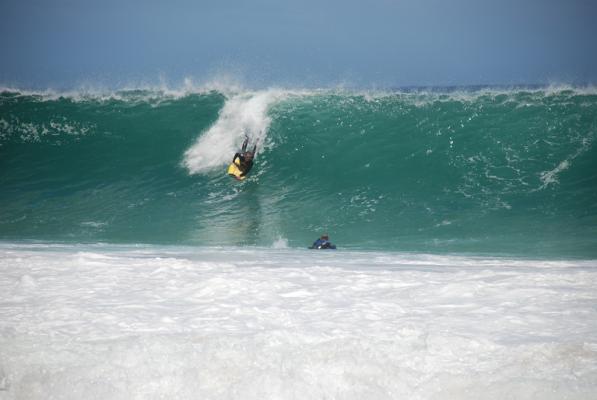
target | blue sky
x=371, y=43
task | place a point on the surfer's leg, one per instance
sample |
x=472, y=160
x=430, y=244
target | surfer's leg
x=244, y=148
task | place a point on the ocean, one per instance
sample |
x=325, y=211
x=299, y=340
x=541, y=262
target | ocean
x=498, y=171
x=133, y=267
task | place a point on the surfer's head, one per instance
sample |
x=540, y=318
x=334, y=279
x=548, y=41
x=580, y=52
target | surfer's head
x=325, y=237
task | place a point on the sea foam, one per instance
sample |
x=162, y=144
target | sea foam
x=117, y=322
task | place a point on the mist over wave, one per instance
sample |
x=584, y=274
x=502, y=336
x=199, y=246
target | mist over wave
x=460, y=170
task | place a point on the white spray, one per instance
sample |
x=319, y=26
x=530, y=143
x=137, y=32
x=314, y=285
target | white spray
x=243, y=114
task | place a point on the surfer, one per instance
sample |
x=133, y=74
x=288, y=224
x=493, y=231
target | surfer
x=323, y=243
x=244, y=159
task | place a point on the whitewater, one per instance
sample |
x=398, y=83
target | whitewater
x=149, y=322
x=132, y=267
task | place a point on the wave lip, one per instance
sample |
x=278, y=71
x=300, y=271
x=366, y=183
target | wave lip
x=230, y=87
x=134, y=92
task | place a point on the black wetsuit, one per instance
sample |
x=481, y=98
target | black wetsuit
x=244, y=164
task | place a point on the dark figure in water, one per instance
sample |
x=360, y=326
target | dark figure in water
x=244, y=159
x=323, y=243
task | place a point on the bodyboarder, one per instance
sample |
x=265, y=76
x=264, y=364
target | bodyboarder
x=243, y=161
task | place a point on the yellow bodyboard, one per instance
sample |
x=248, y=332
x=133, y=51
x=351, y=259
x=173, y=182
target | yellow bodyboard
x=235, y=172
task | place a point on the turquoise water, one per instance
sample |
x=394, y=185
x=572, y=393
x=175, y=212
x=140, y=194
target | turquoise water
x=498, y=171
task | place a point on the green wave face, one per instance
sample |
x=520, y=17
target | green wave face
x=483, y=171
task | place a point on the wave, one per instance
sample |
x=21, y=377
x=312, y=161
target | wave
x=507, y=170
